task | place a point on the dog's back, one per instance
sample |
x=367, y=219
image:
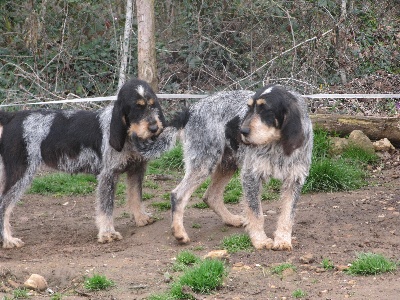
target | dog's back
x=205, y=132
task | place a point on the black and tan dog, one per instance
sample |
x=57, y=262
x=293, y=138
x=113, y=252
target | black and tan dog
x=99, y=142
x=266, y=134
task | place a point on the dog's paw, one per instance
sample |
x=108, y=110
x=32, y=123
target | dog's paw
x=235, y=221
x=282, y=246
x=181, y=236
x=108, y=237
x=12, y=243
x=143, y=220
x=263, y=244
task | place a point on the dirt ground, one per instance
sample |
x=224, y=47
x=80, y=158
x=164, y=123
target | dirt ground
x=60, y=244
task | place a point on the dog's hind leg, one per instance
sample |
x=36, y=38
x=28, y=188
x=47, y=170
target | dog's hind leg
x=214, y=196
x=179, y=199
x=134, y=194
x=254, y=214
x=290, y=194
x=107, y=182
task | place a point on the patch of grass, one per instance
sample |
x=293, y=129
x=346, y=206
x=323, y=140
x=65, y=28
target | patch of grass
x=332, y=175
x=202, y=189
x=271, y=190
x=282, y=267
x=98, y=282
x=166, y=196
x=327, y=264
x=185, y=259
x=233, y=190
x=56, y=296
x=162, y=205
x=196, y=225
x=203, y=278
x=147, y=196
x=171, y=160
x=354, y=153
x=120, y=194
x=164, y=296
x=62, y=184
x=20, y=293
x=200, y=205
x=198, y=248
x=371, y=264
x=299, y=293
x=150, y=184
x=237, y=242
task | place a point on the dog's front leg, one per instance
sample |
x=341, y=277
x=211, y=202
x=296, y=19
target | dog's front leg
x=134, y=182
x=107, y=182
x=290, y=193
x=254, y=214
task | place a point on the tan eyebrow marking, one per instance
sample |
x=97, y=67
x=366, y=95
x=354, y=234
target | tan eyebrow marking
x=141, y=102
x=151, y=101
x=250, y=102
x=261, y=102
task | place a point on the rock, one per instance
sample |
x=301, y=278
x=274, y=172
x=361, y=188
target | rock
x=342, y=267
x=217, y=254
x=338, y=145
x=307, y=258
x=383, y=145
x=359, y=139
x=36, y=282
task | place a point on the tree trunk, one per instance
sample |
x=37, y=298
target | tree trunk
x=147, y=67
x=126, y=43
x=375, y=128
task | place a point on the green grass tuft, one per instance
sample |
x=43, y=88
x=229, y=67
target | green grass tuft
x=356, y=154
x=203, y=278
x=371, y=264
x=98, y=282
x=282, y=267
x=327, y=264
x=162, y=205
x=299, y=293
x=237, y=242
x=20, y=293
x=200, y=205
x=169, y=161
x=62, y=184
x=332, y=175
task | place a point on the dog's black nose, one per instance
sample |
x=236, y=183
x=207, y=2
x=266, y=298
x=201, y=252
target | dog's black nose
x=153, y=128
x=245, y=131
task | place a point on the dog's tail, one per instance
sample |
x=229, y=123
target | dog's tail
x=151, y=149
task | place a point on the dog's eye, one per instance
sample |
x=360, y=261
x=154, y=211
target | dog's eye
x=141, y=103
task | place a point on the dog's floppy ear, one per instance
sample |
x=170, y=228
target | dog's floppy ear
x=292, y=135
x=118, y=127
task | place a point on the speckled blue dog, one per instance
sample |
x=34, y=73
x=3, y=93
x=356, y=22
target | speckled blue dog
x=265, y=134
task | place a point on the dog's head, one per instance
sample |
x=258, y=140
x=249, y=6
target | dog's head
x=136, y=114
x=273, y=115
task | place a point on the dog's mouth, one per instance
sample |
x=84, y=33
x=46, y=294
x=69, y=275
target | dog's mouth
x=244, y=140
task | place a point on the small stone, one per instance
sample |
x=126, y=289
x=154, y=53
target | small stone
x=383, y=145
x=342, y=268
x=36, y=282
x=217, y=254
x=307, y=258
x=359, y=139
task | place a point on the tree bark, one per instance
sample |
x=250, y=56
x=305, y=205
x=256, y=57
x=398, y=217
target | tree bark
x=126, y=43
x=147, y=67
x=375, y=128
